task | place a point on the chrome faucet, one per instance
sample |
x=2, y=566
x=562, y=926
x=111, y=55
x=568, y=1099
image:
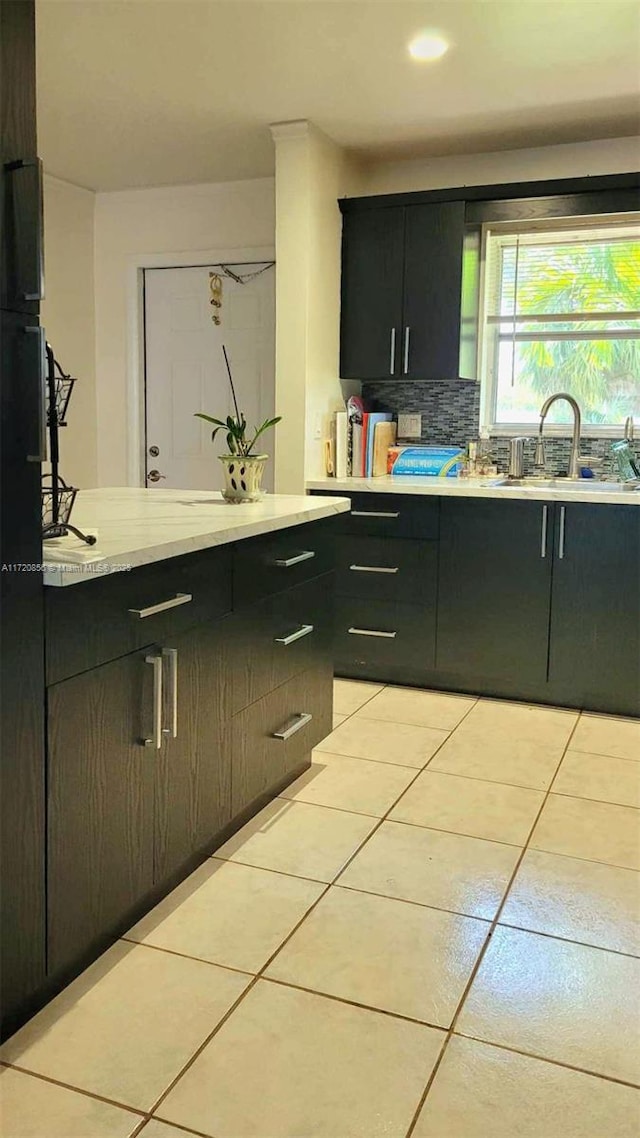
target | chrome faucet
x=574, y=460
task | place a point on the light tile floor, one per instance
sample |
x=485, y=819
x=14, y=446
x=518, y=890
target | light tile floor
x=434, y=933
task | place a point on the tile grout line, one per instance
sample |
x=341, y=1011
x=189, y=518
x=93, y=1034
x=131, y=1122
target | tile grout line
x=138, y=1111
x=483, y=950
x=545, y=1059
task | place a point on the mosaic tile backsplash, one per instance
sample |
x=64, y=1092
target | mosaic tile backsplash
x=450, y=412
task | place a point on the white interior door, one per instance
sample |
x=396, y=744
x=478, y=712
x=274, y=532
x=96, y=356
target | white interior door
x=185, y=370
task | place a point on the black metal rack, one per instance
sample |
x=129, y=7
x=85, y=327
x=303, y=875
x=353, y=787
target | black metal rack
x=57, y=497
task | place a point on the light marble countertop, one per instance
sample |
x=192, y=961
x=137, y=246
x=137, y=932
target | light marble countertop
x=611, y=493
x=136, y=526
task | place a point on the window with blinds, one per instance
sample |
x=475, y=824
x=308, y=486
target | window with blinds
x=561, y=312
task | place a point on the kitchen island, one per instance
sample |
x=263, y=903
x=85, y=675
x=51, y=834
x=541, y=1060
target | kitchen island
x=508, y=589
x=189, y=675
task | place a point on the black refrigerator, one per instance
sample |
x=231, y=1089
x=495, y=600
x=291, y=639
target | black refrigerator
x=22, y=692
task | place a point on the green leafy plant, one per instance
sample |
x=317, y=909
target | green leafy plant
x=236, y=427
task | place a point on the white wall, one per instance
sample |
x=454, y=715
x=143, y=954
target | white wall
x=133, y=227
x=68, y=319
x=576, y=160
x=312, y=172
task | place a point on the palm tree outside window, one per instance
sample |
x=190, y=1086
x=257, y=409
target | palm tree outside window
x=561, y=312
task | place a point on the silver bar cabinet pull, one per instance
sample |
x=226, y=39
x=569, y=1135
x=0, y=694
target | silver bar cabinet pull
x=372, y=632
x=36, y=330
x=287, y=562
x=374, y=569
x=543, y=537
x=304, y=630
x=407, y=333
x=563, y=510
x=298, y=722
x=156, y=738
x=374, y=514
x=392, y=357
x=172, y=603
x=171, y=655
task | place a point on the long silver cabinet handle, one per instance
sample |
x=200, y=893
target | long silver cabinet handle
x=30, y=169
x=374, y=514
x=392, y=356
x=304, y=630
x=41, y=455
x=563, y=511
x=374, y=569
x=156, y=738
x=172, y=603
x=298, y=723
x=171, y=656
x=543, y=536
x=372, y=632
x=407, y=333
x=287, y=562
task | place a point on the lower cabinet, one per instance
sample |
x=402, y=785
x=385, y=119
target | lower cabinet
x=192, y=768
x=272, y=739
x=154, y=756
x=494, y=589
x=594, y=657
x=100, y=806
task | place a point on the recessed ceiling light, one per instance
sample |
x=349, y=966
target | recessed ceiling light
x=427, y=46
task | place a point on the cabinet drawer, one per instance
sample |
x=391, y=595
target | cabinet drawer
x=391, y=515
x=271, y=738
x=384, y=641
x=373, y=568
x=273, y=563
x=278, y=638
x=96, y=621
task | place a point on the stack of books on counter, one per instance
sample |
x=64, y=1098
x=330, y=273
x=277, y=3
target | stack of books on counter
x=363, y=439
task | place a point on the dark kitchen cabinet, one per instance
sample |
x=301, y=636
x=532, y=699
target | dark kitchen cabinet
x=402, y=292
x=22, y=774
x=434, y=237
x=192, y=769
x=594, y=657
x=494, y=589
x=272, y=739
x=371, y=294
x=100, y=807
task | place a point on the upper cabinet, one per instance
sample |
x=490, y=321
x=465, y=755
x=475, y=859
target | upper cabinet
x=402, y=278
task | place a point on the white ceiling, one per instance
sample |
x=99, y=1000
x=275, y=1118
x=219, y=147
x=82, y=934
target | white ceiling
x=157, y=92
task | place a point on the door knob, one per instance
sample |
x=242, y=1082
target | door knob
x=155, y=476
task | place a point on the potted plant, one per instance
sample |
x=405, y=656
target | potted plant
x=243, y=469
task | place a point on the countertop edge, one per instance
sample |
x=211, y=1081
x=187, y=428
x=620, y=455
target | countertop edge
x=60, y=575
x=461, y=487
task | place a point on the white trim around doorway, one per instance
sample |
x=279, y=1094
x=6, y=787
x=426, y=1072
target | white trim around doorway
x=136, y=465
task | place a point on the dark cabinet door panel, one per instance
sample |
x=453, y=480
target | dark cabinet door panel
x=595, y=607
x=385, y=641
x=371, y=310
x=100, y=791
x=390, y=515
x=192, y=771
x=372, y=568
x=494, y=588
x=278, y=638
x=434, y=239
x=96, y=621
x=278, y=561
x=272, y=738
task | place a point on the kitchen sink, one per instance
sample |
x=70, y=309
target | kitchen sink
x=573, y=485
